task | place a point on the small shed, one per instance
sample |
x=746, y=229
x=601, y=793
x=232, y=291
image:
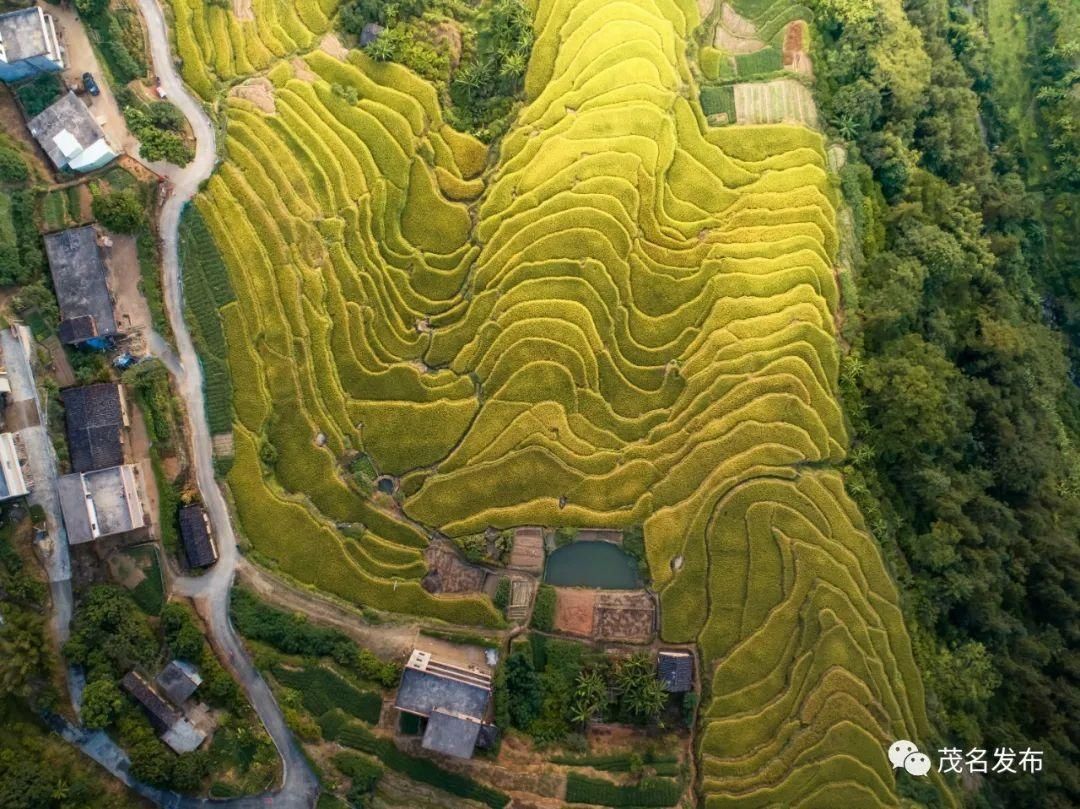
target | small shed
x=199, y=546
x=178, y=681
x=675, y=670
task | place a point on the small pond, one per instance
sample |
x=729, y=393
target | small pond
x=592, y=564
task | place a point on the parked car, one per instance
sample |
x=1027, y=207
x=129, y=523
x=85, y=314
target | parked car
x=90, y=85
x=159, y=89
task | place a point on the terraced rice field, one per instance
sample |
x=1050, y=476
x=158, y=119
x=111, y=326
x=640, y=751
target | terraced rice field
x=627, y=318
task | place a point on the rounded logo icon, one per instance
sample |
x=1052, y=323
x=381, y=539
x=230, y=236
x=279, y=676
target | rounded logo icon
x=917, y=764
x=900, y=750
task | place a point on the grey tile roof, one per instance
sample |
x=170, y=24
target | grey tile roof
x=162, y=715
x=675, y=671
x=79, y=276
x=178, y=680
x=422, y=692
x=451, y=735
x=95, y=423
x=199, y=546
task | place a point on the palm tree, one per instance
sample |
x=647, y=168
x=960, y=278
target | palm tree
x=590, y=696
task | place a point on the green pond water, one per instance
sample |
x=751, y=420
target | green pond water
x=592, y=564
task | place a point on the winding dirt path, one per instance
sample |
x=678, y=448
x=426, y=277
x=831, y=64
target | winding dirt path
x=210, y=592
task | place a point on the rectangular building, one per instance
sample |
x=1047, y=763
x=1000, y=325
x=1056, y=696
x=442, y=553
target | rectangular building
x=28, y=44
x=70, y=136
x=100, y=503
x=81, y=282
x=12, y=482
x=96, y=417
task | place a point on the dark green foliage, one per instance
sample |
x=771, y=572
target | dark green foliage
x=119, y=39
x=719, y=100
x=524, y=689
x=501, y=598
x=364, y=772
x=292, y=634
x=165, y=115
x=660, y=763
x=39, y=770
x=102, y=702
x=182, y=635
x=150, y=380
x=640, y=695
x=352, y=734
x=964, y=416
x=39, y=92
x=322, y=690
x=156, y=143
x=484, y=87
x=109, y=634
x=12, y=166
x=120, y=211
x=463, y=638
x=207, y=289
x=650, y=792
x=543, y=616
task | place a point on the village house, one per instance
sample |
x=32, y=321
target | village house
x=70, y=136
x=81, y=282
x=12, y=482
x=96, y=418
x=173, y=728
x=178, y=681
x=28, y=44
x=453, y=703
x=100, y=503
x=199, y=546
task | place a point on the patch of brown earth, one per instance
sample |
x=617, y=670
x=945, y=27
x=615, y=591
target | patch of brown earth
x=259, y=91
x=302, y=71
x=448, y=34
x=242, y=10
x=705, y=7
x=735, y=33
x=332, y=45
x=574, y=609
x=795, y=56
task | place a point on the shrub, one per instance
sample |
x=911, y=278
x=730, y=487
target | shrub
x=351, y=734
x=12, y=166
x=650, y=792
x=543, y=617
x=322, y=690
x=120, y=211
x=502, y=593
x=292, y=634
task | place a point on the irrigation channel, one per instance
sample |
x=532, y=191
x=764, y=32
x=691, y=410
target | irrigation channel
x=210, y=592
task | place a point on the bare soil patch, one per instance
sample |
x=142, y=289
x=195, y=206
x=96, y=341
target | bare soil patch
x=448, y=573
x=574, y=609
x=796, y=57
x=332, y=45
x=448, y=33
x=242, y=10
x=627, y=616
x=259, y=91
x=528, y=551
x=735, y=33
x=302, y=71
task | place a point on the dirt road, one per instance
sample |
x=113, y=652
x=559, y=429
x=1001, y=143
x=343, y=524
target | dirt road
x=211, y=591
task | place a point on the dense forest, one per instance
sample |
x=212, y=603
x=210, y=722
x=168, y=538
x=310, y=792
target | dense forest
x=962, y=322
